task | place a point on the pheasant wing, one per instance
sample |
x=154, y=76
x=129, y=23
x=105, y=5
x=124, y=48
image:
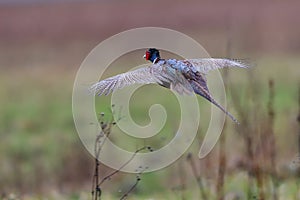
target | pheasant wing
x=178, y=82
x=205, y=65
x=146, y=75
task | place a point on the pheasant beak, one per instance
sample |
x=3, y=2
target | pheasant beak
x=144, y=56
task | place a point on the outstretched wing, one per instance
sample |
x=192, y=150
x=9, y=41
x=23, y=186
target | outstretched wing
x=204, y=65
x=153, y=74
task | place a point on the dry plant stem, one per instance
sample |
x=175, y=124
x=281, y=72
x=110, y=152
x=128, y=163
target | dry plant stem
x=245, y=130
x=96, y=174
x=100, y=141
x=138, y=179
x=96, y=195
x=258, y=162
x=259, y=180
x=131, y=188
x=122, y=166
x=222, y=159
x=271, y=114
x=222, y=141
x=96, y=191
x=97, y=163
x=249, y=132
x=182, y=180
x=222, y=168
x=104, y=133
x=298, y=119
x=191, y=160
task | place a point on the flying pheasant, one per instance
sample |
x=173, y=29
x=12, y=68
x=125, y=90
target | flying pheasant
x=182, y=76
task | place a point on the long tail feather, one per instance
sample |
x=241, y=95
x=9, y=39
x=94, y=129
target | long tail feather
x=225, y=111
x=203, y=91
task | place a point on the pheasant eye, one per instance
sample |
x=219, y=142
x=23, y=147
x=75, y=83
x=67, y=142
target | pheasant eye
x=147, y=55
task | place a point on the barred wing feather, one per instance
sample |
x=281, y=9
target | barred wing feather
x=207, y=64
x=146, y=75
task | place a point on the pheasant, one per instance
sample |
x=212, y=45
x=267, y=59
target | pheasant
x=182, y=76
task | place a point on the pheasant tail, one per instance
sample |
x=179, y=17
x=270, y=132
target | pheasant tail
x=202, y=89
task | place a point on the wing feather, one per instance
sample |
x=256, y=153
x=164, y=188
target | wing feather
x=141, y=75
x=159, y=74
x=205, y=65
x=181, y=85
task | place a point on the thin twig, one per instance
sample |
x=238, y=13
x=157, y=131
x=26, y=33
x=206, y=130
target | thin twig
x=271, y=138
x=95, y=181
x=222, y=168
x=126, y=163
x=182, y=180
x=298, y=119
x=222, y=143
x=191, y=160
x=131, y=188
x=138, y=179
x=99, y=142
x=246, y=132
x=105, y=131
x=271, y=114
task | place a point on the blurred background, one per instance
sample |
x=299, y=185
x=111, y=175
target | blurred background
x=42, y=44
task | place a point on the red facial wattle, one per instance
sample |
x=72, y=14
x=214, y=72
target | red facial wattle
x=147, y=55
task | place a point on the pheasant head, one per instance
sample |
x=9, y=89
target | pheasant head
x=152, y=55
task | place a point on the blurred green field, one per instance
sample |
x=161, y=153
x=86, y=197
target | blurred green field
x=42, y=156
x=42, y=44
